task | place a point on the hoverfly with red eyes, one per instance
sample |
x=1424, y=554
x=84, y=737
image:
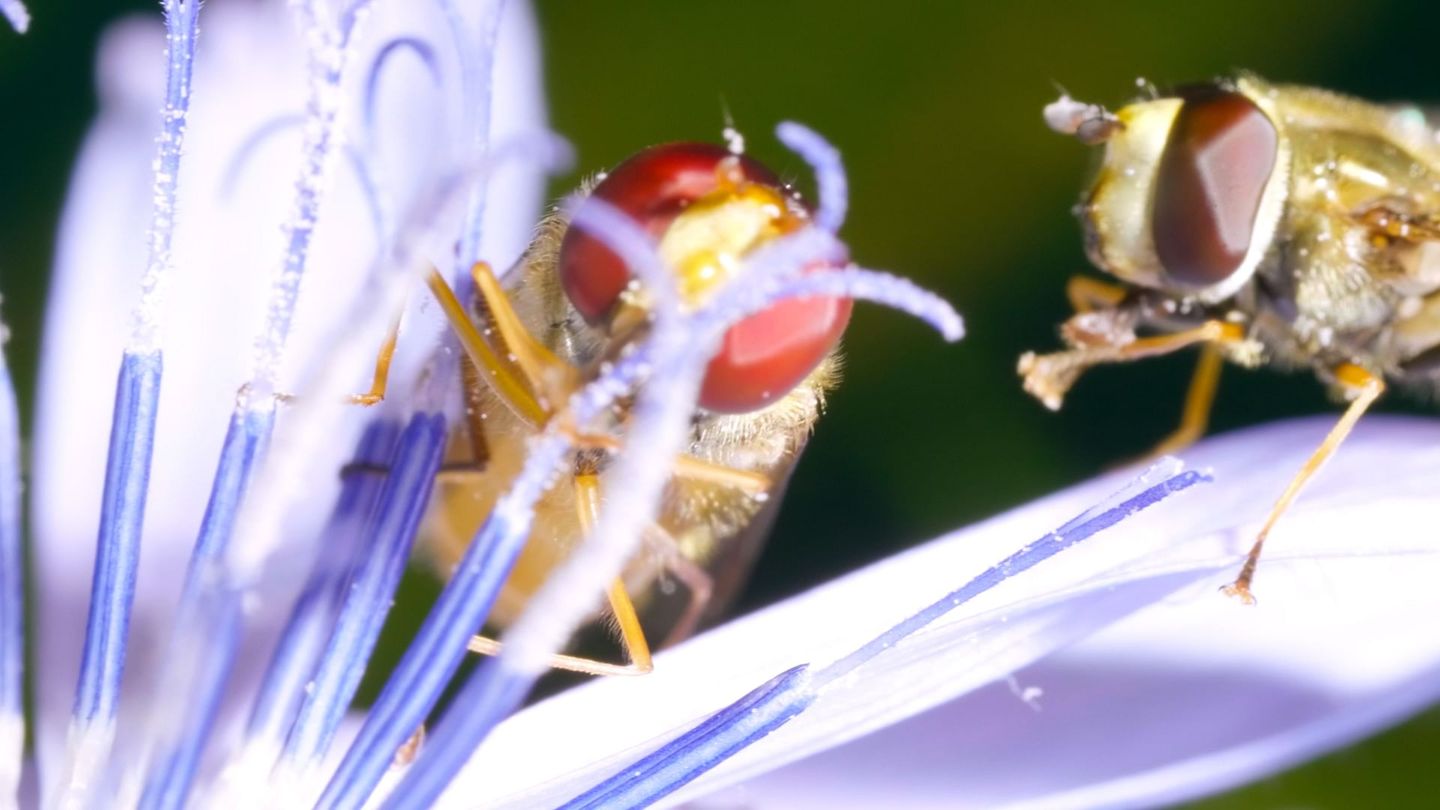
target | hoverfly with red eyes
x=570, y=307
x=1269, y=224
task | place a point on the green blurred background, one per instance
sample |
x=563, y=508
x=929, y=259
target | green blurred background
x=955, y=182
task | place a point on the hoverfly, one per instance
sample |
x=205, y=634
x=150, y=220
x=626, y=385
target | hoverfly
x=569, y=307
x=1268, y=224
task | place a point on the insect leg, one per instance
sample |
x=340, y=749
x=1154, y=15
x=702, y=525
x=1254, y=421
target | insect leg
x=1364, y=389
x=467, y=455
x=1088, y=294
x=695, y=469
x=690, y=466
x=697, y=581
x=1199, y=402
x=474, y=412
x=381, y=380
x=484, y=645
x=548, y=376
x=632, y=635
x=378, y=383
x=698, y=469
x=509, y=385
x=1047, y=377
x=622, y=608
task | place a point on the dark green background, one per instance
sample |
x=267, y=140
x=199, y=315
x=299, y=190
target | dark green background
x=955, y=182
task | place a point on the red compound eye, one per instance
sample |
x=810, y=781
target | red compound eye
x=653, y=187
x=763, y=356
x=770, y=352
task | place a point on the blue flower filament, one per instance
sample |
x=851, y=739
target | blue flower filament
x=12, y=584
x=770, y=706
x=132, y=436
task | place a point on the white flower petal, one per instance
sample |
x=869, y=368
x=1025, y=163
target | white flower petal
x=250, y=72
x=1197, y=693
x=1166, y=703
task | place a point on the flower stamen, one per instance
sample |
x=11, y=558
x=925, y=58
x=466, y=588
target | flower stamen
x=12, y=590
x=17, y=14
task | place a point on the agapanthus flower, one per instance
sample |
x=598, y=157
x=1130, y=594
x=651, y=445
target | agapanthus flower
x=313, y=159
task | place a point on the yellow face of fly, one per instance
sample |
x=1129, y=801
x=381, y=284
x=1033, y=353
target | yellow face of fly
x=708, y=240
x=1190, y=190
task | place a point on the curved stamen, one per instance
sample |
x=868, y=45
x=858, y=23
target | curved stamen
x=398, y=45
x=15, y=12
x=737, y=302
x=369, y=186
x=477, y=68
x=831, y=186
x=263, y=134
x=351, y=17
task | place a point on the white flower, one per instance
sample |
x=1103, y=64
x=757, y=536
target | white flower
x=1149, y=685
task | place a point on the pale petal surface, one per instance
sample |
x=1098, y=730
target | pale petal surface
x=1192, y=694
